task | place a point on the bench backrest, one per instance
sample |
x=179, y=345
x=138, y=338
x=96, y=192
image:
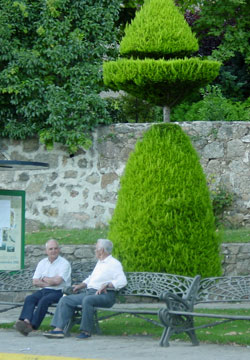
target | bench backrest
x=224, y=289
x=16, y=280
x=151, y=284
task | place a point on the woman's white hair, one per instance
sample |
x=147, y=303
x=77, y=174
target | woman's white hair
x=106, y=245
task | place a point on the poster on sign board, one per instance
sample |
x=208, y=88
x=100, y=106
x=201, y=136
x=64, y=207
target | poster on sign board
x=12, y=229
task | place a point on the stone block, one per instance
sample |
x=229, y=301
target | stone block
x=245, y=248
x=50, y=211
x=230, y=259
x=108, y=179
x=233, y=249
x=70, y=174
x=213, y=150
x=82, y=163
x=23, y=177
x=93, y=178
x=235, y=148
x=67, y=249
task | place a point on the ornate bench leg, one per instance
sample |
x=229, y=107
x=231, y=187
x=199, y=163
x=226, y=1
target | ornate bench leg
x=192, y=335
x=189, y=324
x=166, y=334
x=176, y=324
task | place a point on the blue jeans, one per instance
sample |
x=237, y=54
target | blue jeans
x=36, y=305
x=88, y=299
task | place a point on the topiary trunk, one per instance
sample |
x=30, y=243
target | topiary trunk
x=166, y=114
x=163, y=220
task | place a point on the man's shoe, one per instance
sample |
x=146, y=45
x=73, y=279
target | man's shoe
x=23, y=327
x=83, y=336
x=53, y=334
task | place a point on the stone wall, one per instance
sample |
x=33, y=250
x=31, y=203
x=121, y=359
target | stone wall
x=235, y=257
x=80, y=191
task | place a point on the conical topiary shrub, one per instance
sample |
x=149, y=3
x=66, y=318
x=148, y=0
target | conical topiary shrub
x=158, y=30
x=157, y=43
x=163, y=220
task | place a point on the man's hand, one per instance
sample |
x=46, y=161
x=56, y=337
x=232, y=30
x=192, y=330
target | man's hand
x=40, y=283
x=103, y=288
x=78, y=287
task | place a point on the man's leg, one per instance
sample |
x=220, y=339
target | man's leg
x=89, y=302
x=23, y=325
x=65, y=310
x=49, y=297
x=30, y=303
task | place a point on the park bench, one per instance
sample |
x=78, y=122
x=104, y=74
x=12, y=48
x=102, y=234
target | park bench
x=142, y=288
x=176, y=296
x=179, y=316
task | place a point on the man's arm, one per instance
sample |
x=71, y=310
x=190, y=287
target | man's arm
x=79, y=287
x=48, y=281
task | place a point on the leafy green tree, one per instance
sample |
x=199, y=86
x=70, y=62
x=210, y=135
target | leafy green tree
x=163, y=220
x=213, y=107
x=51, y=54
x=157, y=43
x=229, y=26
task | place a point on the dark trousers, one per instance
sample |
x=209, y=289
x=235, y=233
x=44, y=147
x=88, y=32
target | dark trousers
x=36, y=305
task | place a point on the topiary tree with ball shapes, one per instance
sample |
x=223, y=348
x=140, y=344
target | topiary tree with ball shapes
x=163, y=220
x=154, y=63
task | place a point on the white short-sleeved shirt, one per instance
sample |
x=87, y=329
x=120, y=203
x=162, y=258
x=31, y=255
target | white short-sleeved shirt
x=59, y=267
x=107, y=271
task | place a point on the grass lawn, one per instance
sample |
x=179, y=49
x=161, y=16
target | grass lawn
x=89, y=236
x=236, y=236
x=64, y=236
x=235, y=332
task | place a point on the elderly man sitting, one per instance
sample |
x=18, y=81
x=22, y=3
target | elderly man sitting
x=107, y=274
x=52, y=274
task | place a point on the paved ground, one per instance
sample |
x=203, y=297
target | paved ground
x=107, y=347
x=116, y=348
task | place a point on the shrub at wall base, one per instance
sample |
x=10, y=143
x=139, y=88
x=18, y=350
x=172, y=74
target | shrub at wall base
x=163, y=220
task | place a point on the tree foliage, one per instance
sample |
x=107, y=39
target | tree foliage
x=228, y=28
x=160, y=82
x=163, y=220
x=160, y=32
x=50, y=67
x=223, y=34
x=213, y=107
